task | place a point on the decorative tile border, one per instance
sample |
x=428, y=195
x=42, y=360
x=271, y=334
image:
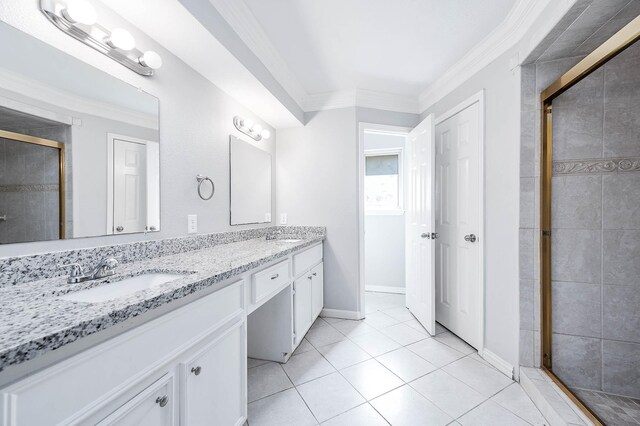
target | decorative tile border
x=596, y=166
x=30, y=188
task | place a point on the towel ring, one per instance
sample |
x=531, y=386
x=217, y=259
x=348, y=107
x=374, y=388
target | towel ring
x=201, y=179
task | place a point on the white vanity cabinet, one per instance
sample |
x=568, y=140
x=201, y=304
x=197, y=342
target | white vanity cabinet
x=317, y=289
x=302, y=307
x=147, y=375
x=211, y=388
x=155, y=406
x=281, y=311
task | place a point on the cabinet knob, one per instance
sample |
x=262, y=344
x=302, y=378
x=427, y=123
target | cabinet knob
x=310, y=277
x=162, y=400
x=315, y=274
x=196, y=370
x=120, y=229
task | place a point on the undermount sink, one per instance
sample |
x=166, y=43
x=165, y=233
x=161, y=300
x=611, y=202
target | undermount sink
x=288, y=240
x=118, y=289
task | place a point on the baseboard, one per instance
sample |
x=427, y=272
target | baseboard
x=337, y=313
x=385, y=289
x=500, y=364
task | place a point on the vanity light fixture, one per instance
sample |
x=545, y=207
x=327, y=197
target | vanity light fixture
x=249, y=128
x=78, y=18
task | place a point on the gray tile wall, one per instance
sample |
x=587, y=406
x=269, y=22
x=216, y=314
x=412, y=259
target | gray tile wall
x=32, y=213
x=596, y=226
x=596, y=216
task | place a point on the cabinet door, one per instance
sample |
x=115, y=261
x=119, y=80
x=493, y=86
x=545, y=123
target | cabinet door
x=153, y=406
x=214, y=381
x=317, y=291
x=302, y=306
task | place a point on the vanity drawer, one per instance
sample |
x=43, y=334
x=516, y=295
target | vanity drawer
x=309, y=258
x=267, y=281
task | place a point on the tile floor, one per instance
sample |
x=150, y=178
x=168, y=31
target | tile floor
x=612, y=409
x=384, y=370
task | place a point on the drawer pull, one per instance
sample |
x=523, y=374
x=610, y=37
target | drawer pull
x=196, y=370
x=273, y=277
x=162, y=400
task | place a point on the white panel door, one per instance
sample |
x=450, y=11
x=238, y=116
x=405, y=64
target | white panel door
x=420, y=274
x=457, y=225
x=129, y=187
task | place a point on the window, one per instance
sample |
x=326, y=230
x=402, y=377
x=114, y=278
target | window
x=383, y=183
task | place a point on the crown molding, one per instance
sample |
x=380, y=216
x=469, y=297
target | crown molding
x=244, y=23
x=25, y=87
x=361, y=98
x=508, y=34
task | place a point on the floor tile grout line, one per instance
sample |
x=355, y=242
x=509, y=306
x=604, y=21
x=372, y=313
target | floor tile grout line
x=404, y=383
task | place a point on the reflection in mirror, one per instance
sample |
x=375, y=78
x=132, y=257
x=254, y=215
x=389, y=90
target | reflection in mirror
x=250, y=183
x=79, y=149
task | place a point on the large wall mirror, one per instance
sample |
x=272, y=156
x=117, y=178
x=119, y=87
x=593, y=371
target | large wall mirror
x=79, y=149
x=250, y=183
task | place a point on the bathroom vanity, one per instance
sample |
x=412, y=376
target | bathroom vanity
x=174, y=353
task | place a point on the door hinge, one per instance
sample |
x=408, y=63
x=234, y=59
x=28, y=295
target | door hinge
x=546, y=233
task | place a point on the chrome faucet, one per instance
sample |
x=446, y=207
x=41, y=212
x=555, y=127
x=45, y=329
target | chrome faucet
x=105, y=268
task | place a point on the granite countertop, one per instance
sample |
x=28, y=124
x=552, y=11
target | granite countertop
x=34, y=321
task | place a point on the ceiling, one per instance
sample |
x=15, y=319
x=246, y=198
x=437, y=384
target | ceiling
x=397, y=47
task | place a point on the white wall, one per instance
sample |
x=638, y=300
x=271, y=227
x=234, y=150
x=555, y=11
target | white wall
x=384, y=234
x=317, y=174
x=195, y=123
x=317, y=185
x=502, y=157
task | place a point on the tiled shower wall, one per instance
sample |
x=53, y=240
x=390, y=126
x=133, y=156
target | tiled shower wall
x=29, y=192
x=596, y=229
x=535, y=78
x=596, y=224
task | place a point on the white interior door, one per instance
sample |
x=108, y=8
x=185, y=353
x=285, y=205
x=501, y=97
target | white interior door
x=458, y=281
x=420, y=256
x=129, y=187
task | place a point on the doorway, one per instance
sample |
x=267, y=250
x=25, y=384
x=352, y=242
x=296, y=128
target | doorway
x=439, y=178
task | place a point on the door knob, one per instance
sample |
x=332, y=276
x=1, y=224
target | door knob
x=470, y=238
x=426, y=235
x=119, y=229
x=435, y=235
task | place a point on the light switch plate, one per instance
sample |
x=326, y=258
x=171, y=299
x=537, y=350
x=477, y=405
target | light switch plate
x=192, y=223
x=267, y=217
x=283, y=218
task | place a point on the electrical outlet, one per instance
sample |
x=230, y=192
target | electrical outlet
x=192, y=223
x=283, y=218
x=267, y=217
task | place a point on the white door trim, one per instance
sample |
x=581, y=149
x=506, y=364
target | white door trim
x=479, y=99
x=362, y=128
x=110, y=138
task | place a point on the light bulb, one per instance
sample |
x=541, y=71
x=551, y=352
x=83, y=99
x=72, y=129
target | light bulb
x=150, y=59
x=80, y=11
x=266, y=134
x=257, y=129
x=122, y=39
x=248, y=123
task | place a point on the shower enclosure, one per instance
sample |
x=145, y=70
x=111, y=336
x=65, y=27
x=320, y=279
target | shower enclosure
x=590, y=230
